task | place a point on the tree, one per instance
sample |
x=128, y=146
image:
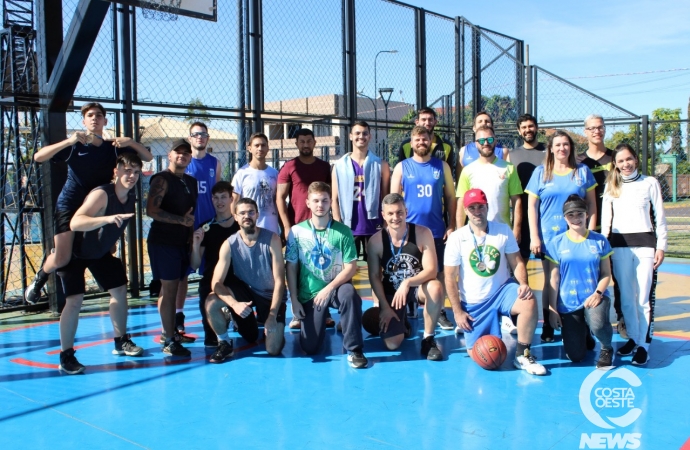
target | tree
x=195, y=110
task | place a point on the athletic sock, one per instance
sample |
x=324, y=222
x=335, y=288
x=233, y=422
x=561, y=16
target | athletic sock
x=426, y=335
x=179, y=310
x=224, y=337
x=520, y=348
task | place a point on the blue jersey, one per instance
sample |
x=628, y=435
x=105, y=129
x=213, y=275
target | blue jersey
x=552, y=194
x=471, y=153
x=579, y=267
x=88, y=167
x=204, y=170
x=422, y=185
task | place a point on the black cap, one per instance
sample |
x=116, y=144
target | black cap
x=574, y=203
x=181, y=143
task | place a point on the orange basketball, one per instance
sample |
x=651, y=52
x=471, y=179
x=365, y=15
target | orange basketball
x=489, y=352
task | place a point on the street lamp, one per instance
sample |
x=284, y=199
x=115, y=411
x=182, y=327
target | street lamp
x=386, y=97
x=376, y=109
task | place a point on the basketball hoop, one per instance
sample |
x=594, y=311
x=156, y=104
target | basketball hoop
x=161, y=10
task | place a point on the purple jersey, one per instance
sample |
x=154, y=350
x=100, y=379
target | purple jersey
x=361, y=225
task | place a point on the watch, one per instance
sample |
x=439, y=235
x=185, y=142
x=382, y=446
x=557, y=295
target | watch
x=599, y=292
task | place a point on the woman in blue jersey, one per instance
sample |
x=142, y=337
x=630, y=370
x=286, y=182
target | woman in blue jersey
x=548, y=188
x=633, y=219
x=580, y=274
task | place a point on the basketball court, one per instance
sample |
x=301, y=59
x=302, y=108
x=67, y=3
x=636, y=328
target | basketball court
x=299, y=401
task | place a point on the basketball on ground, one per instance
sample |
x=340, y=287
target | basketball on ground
x=489, y=352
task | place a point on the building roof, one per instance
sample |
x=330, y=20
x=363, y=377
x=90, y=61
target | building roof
x=162, y=127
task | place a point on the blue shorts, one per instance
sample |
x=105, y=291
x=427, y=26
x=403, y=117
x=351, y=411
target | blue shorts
x=486, y=314
x=168, y=262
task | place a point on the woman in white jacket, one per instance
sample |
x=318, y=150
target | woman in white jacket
x=633, y=220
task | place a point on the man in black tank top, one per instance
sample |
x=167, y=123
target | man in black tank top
x=171, y=203
x=402, y=270
x=98, y=225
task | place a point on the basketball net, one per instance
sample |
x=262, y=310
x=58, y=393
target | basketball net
x=161, y=10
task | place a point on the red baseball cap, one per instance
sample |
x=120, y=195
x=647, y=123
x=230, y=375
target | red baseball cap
x=474, y=196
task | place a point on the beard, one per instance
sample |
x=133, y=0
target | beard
x=306, y=151
x=249, y=228
x=422, y=150
x=486, y=153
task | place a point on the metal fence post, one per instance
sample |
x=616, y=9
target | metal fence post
x=420, y=56
x=645, y=143
x=476, y=71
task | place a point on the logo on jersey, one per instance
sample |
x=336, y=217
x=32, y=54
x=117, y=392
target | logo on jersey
x=212, y=173
x=491, y=261
x=593, y=249
x=405, y=266
x=437, y=174
x=502, y=174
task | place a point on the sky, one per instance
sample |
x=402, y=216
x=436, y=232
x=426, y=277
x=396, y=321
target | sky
x=585, y=41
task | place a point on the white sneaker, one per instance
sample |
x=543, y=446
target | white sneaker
x=529, y=363
x=507, y=325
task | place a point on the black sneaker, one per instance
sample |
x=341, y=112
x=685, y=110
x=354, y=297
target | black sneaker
x=443, y=321
x=605, y=358
x=641, y=357
x=430, y=350
x=357, y=360
x=125, y=346
x=174, y=348
x=223, y=351
x=69, y=363
x=627, y=348
x=179, y=322
x=547, y=334
x=211, y=342
x=182, y=338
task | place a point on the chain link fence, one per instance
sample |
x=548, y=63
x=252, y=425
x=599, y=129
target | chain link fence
x=295, y=67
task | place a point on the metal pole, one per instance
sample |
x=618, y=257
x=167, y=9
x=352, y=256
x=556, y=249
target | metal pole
x=645, y=142
x=241, y=144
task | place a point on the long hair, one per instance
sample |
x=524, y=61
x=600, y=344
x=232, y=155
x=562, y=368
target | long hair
x=614, y=180
x=550, y=159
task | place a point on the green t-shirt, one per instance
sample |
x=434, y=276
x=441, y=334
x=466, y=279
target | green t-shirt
x=498, y=180
x=319, y=262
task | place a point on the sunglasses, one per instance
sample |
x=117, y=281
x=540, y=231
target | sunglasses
x=200, y=134
x=489, y=140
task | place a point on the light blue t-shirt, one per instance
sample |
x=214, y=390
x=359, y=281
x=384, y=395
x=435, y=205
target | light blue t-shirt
x=579, y=267
x=552, y=194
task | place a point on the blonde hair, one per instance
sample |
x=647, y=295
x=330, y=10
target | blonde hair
x=614, y=180
x=549, y=161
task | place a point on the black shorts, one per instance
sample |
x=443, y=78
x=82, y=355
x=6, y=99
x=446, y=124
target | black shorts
x=440, y=245
x=243, y=293
x=107, y=270
x=168, y=262
x=397, y=327
x=61, y=220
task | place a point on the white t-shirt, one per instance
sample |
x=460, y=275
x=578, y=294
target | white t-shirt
x=475, y=285
x=260, y=186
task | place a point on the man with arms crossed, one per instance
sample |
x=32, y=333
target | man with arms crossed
x=425, y=182
x=98, y=225
x=360, y=181
x=478, y=281
x=402, y=269
x=321, y=261
x=253, y=259
x=171, y=203
x=294, y=180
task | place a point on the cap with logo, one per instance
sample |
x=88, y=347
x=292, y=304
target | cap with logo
x=474, y=196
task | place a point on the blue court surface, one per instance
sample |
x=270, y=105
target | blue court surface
x=297, y=401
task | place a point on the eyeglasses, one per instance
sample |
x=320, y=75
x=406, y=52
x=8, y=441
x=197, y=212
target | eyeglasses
x=483, y=141
x=593, y=129
x=199, y=134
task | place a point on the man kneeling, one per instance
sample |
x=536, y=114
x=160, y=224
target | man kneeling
x=402, y=270
x=98, y=225
x=250, y=272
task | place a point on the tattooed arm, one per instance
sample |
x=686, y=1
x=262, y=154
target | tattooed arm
x=157, y=191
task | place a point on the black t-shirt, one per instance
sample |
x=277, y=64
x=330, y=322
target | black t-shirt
x=600, y=169
x=179, y=198
x=213, y=240
x=88, y=166
x=525, y=161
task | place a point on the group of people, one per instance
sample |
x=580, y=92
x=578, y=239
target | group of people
x=424, y=236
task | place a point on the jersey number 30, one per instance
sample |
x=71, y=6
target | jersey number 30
x=425, y=190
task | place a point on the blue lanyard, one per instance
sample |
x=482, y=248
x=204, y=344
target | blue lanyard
x=396, y=256
x=476, y=247
x=320, y=245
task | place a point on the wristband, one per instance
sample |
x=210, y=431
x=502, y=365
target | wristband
x=599, y=292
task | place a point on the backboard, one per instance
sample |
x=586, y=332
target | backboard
x=201, y=9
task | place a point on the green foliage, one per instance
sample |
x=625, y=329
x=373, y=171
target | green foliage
x=195, y=110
